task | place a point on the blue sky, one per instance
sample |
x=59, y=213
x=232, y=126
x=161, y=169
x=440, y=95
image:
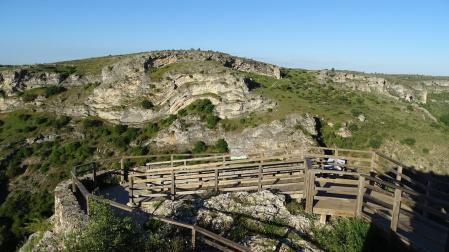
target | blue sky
x=400, y=36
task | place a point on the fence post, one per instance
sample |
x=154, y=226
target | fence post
x=94, y=173
x=310, y=192
x=122, y=168
x=260, y=174
x=396, y=209
x=172, y=178
x=87, y=205
x=361, y=192
x=397, y=201
x=193, y=238
x=131, y=189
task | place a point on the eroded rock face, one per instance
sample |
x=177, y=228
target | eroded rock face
x=117, y=99
x=218, y=213
x=364, y=83
x=125, y=83
x=68, y=217
x=291, y=134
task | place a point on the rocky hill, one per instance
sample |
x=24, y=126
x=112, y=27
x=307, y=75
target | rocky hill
x=53, y=116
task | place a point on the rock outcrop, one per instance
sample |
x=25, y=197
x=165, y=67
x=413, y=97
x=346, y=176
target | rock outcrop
x=220, y=214
x=367, y=83
x=292, y=133
x=127, y=81
x=68, y=217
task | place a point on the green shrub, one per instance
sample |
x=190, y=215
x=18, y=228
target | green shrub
x=342, y=235
x=2, y=93
x=166, y=122
x=202, y=106
x=146, y=104
x=29, y=97
x=425, y=151
x=106, y=231
x=199, y=147
x=119, y=129
x=60, y=121
x=152, y=128
x=408, y=141
x=356, y=112
x=212, y=121
x=375, y=142
x=221, y=146
x=53, y=90
x=92, y=123
x=445, y=119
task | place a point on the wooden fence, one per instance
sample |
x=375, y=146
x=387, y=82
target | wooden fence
x=197, y=232
x=367, y=184
x=217, y=173
x=393, y=196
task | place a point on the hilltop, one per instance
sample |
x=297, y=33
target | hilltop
x=57, y=115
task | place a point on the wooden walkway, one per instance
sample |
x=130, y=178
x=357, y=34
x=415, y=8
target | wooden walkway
x=408, y=205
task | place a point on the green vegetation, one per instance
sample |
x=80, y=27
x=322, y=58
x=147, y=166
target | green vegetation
x=408, y=141
x=438, y=105
x=107, y=231
x=47, y=92
x=203, y=108
x=387, y=120
x=43, y=165
x=342, y=235
x=221, y=146
x=146, y=104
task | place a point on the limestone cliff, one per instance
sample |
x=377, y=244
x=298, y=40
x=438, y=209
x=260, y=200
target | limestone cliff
x=369, y=83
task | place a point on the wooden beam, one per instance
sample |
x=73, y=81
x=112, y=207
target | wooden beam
x=361, y=192
x=396, y=209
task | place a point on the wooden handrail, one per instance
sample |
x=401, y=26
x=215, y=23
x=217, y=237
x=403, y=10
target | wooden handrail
x=217, y=164
x=195, y=229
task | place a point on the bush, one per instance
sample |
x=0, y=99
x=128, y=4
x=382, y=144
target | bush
x=344, y=234
x=92, y=123
x=28, y=97
x=106, y=231
x=212, y=121
x=445, y=119
x=202, y=106
x=166, y=122
x=146, y=104
x=199, y=147
x=221, y=146
x=60, y=121
x=356, y=112
x=53, y=90
x=408, y=141
x=375, y=142
x=152, y=128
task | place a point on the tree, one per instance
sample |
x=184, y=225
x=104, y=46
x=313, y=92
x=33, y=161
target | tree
x=221, y=146
x=146, y=104
x=199, y=147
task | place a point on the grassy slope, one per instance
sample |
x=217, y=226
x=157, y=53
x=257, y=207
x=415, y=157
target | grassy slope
x=41, y=166
x=388, y=119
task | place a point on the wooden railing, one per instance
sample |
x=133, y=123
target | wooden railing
x=209, y=238
x=217, y=173
x=376, y=184
x=386, y=191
